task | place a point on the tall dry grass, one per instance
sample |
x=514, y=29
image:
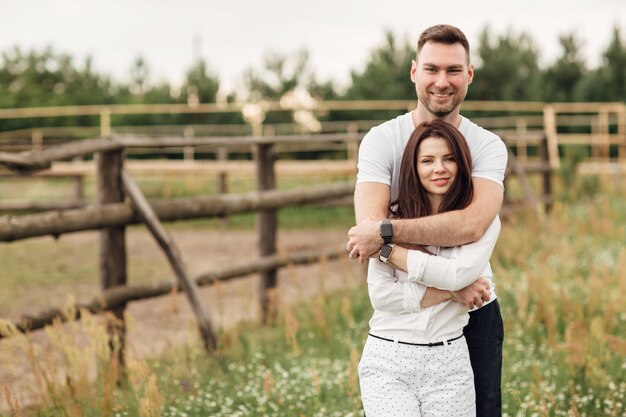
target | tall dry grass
x=562, y=285
x=76, y=372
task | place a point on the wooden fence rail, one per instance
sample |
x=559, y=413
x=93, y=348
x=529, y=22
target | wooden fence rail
x=26, y=162
x=95, y=217
x=119, y=296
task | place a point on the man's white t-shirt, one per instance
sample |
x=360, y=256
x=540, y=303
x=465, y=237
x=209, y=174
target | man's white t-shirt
x=380, y=153
x=380, y=157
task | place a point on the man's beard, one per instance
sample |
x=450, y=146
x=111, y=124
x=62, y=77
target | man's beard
x=442, y=111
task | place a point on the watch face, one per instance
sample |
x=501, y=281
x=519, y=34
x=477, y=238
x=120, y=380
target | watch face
x=385, y=251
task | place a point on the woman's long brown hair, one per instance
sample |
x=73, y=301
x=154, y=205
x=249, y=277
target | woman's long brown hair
x=412, y=199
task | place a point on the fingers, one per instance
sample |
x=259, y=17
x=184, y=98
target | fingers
x=355, y=253
x=481, y=293
x=352, y=253
x=479, y=299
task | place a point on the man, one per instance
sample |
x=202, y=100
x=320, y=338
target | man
x=441, y=73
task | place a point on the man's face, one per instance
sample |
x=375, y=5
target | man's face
x=441, y=75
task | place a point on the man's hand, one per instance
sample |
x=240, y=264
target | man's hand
x=474, y=294
x=364, y=240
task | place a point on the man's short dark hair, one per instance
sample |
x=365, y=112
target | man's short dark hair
x=447, y=34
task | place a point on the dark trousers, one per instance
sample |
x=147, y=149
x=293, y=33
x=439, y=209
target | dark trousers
x=484, y=334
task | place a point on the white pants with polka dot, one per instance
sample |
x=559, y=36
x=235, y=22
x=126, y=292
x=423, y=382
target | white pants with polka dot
x=405, y=380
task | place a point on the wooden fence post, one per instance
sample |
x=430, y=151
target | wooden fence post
x=522, y=178
x=105, y=122
x=36, y=136
x=604, y=141
x=112, y=240
x=189, y=151
x=522, y=151
x=352, y=146
x=266, y=225
x=222, y=176
x=549, y=126
x=621, y=133
x=79, y=188
x=546, y=175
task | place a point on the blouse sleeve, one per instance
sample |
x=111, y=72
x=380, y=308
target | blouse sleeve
x=389, y=294
x=463, y=267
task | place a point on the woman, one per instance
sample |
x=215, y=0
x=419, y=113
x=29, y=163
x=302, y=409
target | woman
x=415, y=361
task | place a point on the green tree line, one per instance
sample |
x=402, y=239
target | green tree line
x=507, y=68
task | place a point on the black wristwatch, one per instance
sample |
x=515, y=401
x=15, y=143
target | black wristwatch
x=386, y=231
x=385, y=253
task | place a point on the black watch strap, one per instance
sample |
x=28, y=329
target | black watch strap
x=386, y=231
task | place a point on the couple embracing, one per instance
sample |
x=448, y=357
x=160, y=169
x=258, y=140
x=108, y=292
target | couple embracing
x=429, y=189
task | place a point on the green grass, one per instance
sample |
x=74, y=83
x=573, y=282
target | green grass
x=562, y=289
x=304, y=364
x=562, y=292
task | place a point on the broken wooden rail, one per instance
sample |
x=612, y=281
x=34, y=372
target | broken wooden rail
x=170, y=249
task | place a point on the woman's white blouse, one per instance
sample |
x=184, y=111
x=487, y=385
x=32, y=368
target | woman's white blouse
x=396, y=295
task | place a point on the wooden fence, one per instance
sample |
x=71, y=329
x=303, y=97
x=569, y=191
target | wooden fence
x=602, y=125
x=113, y=213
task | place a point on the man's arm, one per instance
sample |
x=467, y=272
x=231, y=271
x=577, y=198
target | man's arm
x=371, y=206
x=371, y=202
x=452, y=228
x=457, y=227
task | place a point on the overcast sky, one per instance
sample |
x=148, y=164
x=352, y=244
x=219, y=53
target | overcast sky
x=233, y=35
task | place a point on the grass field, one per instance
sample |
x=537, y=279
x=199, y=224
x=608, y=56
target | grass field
x=561, y=286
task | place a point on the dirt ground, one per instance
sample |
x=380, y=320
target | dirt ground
x=159, y=323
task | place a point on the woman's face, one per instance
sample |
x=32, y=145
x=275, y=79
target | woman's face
x=436, y=168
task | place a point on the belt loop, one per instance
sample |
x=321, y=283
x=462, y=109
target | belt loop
x=395, y=345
